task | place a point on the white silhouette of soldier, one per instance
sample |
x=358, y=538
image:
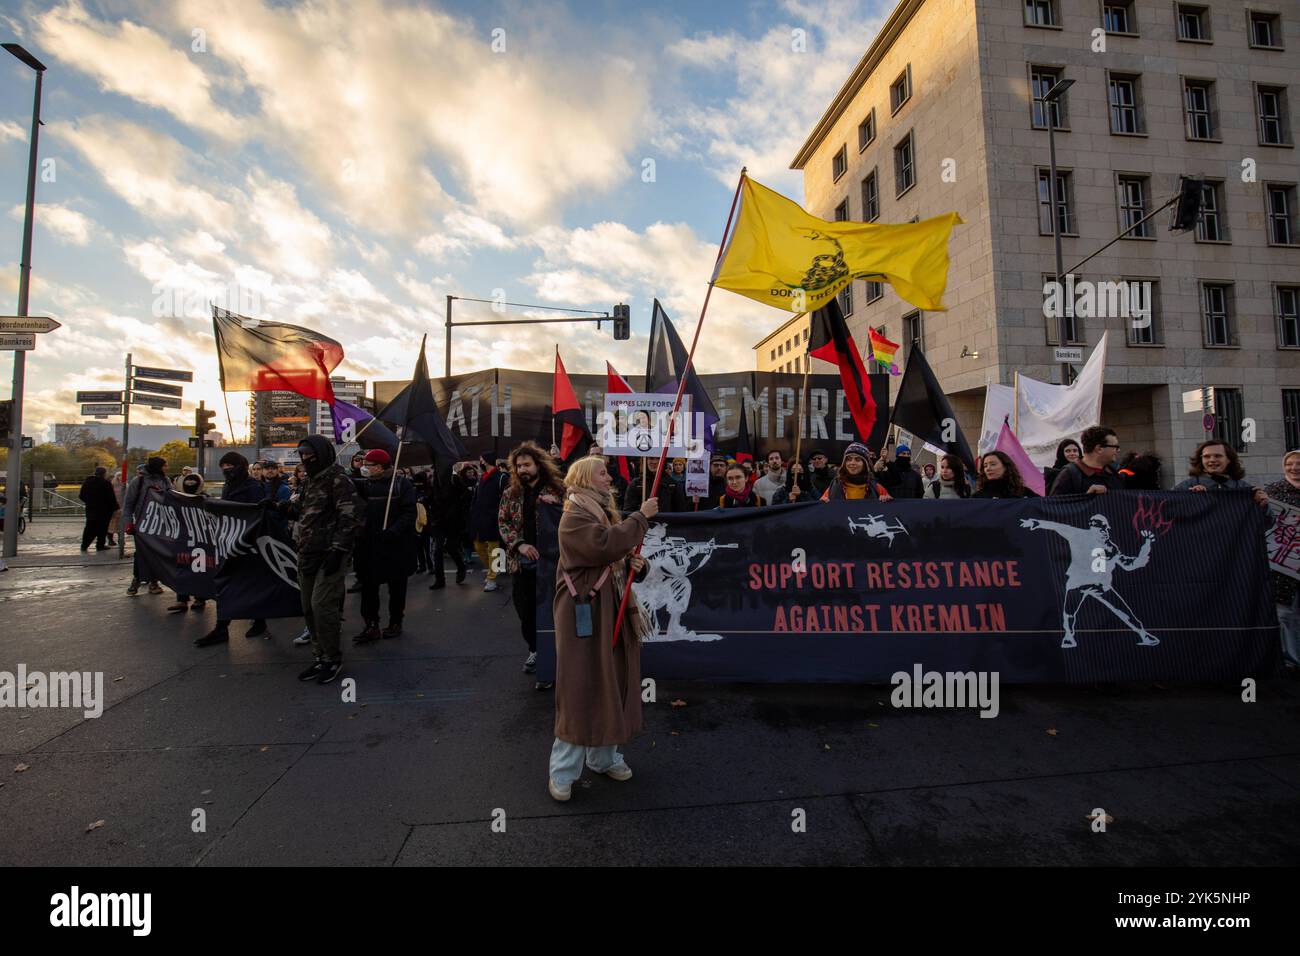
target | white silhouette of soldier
x=666, y=587
x=1091, y=549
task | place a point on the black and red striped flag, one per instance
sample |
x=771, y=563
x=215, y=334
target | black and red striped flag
x=744, y=447
x=576, y=438
x=616, y=384
x=830, y=341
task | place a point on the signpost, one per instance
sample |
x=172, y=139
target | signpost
x=155, y=401
x=157, y=388
x=102, y=411
x=1068, y=356
x=10, y=342
x=28, y=323
x=167, y=374
x=99, y=396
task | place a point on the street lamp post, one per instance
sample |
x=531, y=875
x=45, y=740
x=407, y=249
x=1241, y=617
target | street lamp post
x=1051, y=107
x=14, y=475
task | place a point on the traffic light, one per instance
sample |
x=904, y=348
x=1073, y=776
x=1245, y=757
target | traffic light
x=1191, y=200
x=203, y=418
x=622, y=323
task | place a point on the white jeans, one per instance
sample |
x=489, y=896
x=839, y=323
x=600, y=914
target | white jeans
x=567, y=760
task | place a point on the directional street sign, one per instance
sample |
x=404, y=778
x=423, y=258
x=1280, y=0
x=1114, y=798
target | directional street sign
x=99, y=411
x=1074, y=355
x=28, y=323
x=157, y=401
x=11, y=342
x=99, y=397
x=207, y=442
x=158, y=388
x=167, y=374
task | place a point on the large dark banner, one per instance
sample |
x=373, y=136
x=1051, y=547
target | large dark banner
x=495, y=409
x=1113, y=587
x=233, y=552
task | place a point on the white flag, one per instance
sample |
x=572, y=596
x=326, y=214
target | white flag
x=1046, y=414
x=999, y=406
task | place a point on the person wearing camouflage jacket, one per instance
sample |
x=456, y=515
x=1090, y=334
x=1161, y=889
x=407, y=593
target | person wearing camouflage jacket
x=326, y=512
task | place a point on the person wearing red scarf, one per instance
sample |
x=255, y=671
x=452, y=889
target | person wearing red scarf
x=739, y=492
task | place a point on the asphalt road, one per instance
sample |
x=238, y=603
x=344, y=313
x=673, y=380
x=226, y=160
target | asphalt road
x=447, y=735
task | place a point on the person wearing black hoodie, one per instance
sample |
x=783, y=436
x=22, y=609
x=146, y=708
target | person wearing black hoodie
x=898, y=475
x=239, y=486
x=101, y=502
x=1067, y=452
x=385, y=549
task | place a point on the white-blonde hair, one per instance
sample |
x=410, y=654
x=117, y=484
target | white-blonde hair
x=580, y=476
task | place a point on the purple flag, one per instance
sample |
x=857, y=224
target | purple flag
x=1030, y=474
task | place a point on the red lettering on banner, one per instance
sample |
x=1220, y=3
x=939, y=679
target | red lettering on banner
x=913, y=617
x=896, y=617
x=756, y=577
x=779, y=623
x=1013, y=574
x=872, y=609
x=982, y=576
x=949, y=617
x=964, y=578
x=947, y=570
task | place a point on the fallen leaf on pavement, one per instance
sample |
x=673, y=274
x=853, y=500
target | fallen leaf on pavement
x=116, y=679
x=265, y=749
x=872, y=725
x=95, y=826
x=679, y=703
x=1052, y=731
x=20, y=768
x=674, y=733
x=826, y=747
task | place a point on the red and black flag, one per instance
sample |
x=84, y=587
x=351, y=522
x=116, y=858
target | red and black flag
x=257, y=356
x=744, y=447
x=576, y=438
x=830, y=341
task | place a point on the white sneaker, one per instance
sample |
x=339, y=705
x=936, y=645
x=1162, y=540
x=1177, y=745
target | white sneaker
x=620, y=771
x=489, y=586
x=304, y=637
x=530, y=662
x=559, y=793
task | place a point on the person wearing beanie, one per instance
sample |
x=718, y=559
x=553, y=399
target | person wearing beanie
x=242, y=487
x=899, y=476
x=855, y=482
x=385, y=548
x=101, y=502
x=717, y=476
x=275, y=480
x=154, y=477
x=813, y=481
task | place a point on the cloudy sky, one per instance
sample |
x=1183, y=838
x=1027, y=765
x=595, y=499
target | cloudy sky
x=346, y=164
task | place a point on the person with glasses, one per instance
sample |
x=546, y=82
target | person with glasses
x=1094, y=473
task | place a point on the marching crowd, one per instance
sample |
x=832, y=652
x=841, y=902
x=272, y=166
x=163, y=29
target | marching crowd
x=392, y=523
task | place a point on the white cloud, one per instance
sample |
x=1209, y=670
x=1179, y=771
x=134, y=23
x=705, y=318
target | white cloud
x=66, y=224
x=135, y=61
x=11, y=130
x=295, y=239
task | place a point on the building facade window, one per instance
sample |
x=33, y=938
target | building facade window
x=1125, y=92
x=1229, y=410
x=1042, y=79
x=1198, y=107
x=905, y=164
x=840, y=164
x=1133, y=193
x=1073, y=318
x=1219, y=325
x=900, y=91
x=1041, y=13
x=842, y=211
x=846, y=299
x=1271, y=110
x=913, y=333
x=867, y=130
x=1281, y=215
x=1288, y=317
x=1291, y=416
x=1212, y=226
x=874, y=291
x=1144, y=322
x=1063, y=202
x=871, y=197
x=1117, y=17
x=1193, y=22
x=1265, y=34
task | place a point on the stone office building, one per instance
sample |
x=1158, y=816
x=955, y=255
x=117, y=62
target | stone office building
x=945, y=111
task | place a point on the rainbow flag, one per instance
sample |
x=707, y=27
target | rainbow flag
x=883, y=351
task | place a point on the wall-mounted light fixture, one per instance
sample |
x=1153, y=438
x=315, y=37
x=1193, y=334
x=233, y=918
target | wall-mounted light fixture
x=967, y=353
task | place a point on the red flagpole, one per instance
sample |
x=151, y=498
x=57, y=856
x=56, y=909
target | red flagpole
x=681, y=386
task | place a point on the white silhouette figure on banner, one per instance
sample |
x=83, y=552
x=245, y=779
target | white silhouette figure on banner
x=1093, y=559
x=877, y=527
x=665, y=586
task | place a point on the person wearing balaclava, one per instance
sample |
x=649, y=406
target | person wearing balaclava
x=97, y=493
x=153, y=478
x=899, y=477
x=327, y=513
x=242, y=487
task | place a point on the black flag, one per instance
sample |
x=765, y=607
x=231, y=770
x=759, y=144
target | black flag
x=415, y=411
x=922, y=408
x=665, y=362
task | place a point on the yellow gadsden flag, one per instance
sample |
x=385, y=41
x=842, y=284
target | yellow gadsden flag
x=782, y=256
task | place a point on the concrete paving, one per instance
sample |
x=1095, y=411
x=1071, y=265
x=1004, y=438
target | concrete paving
x=447, y=736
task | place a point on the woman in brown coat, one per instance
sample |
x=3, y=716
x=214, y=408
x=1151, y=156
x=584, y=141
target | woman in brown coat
x=597, y=682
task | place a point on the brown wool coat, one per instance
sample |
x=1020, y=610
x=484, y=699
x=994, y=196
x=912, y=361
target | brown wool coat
x=597, y=684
